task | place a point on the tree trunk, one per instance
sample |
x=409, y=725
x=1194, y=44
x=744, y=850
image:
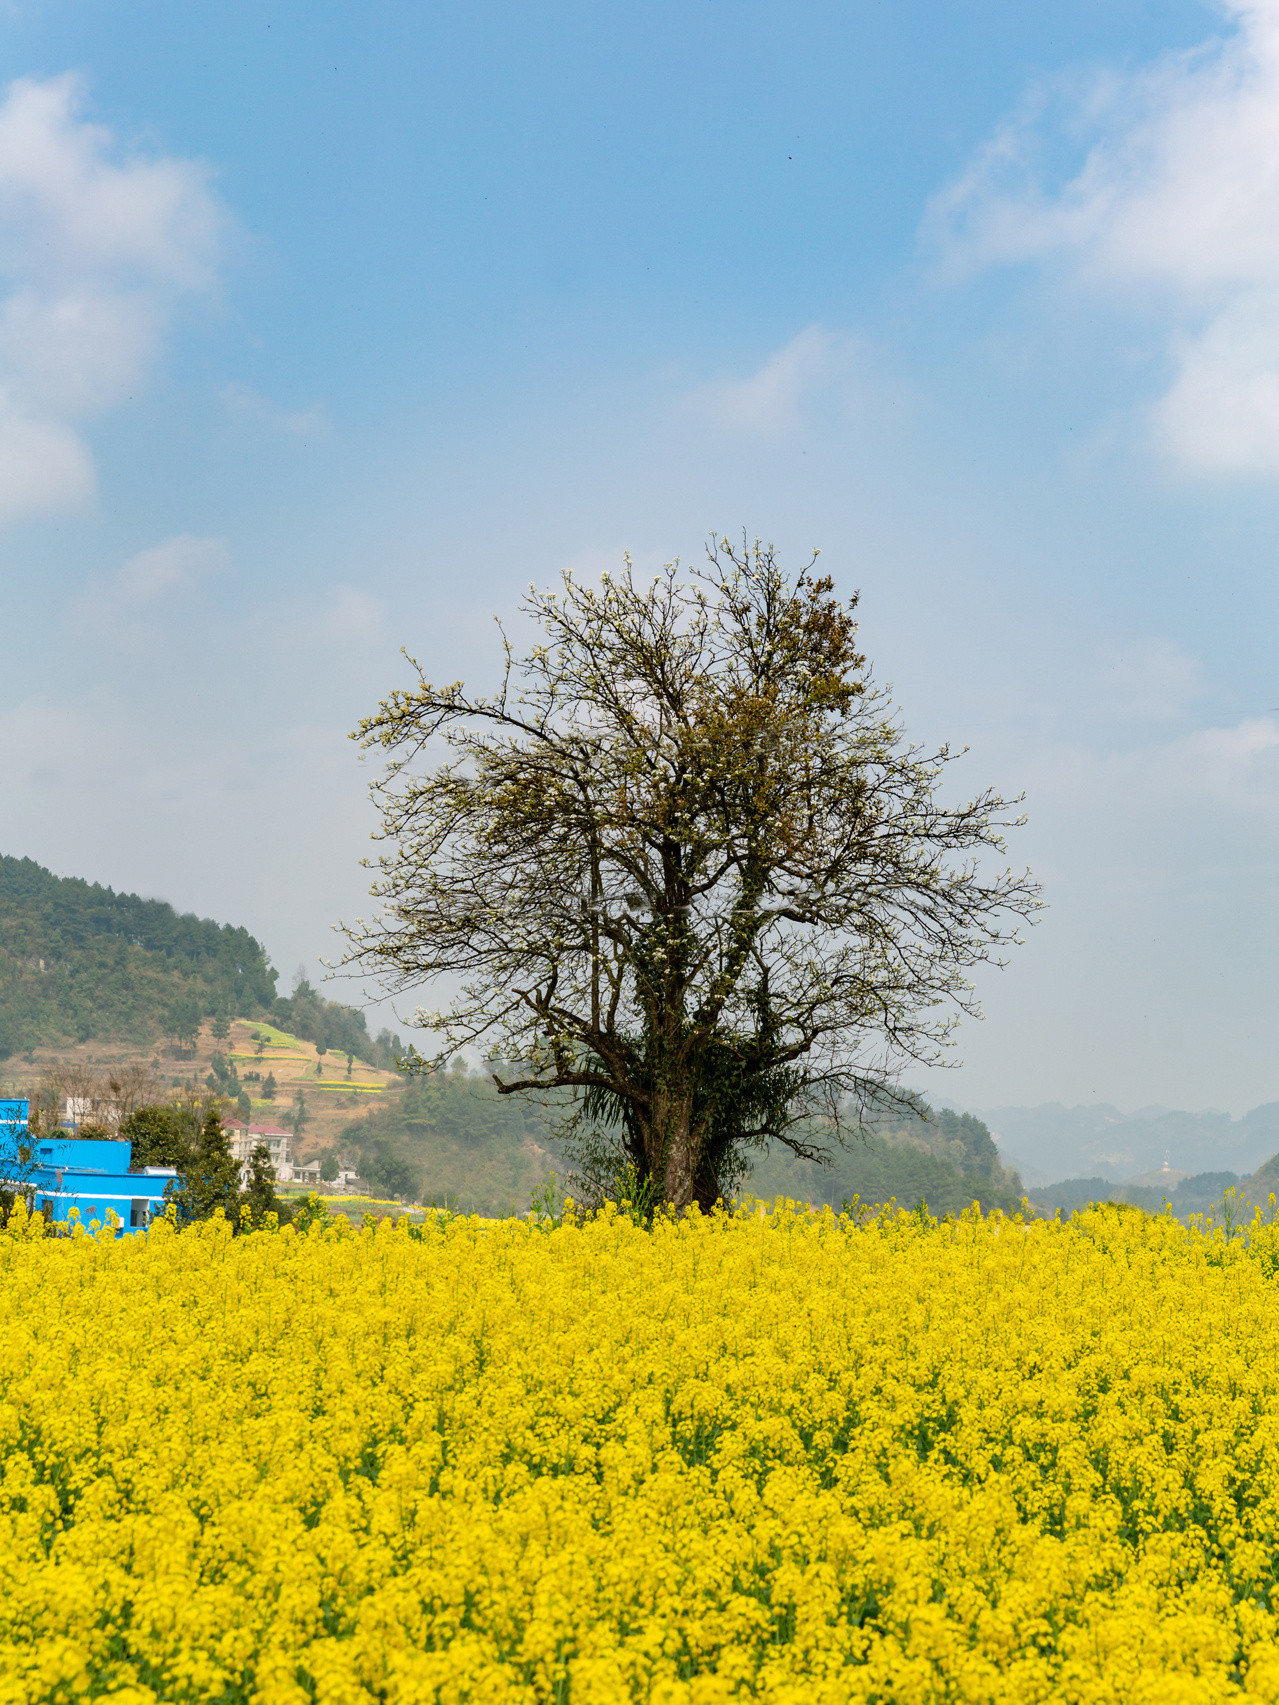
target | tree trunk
x=706, y=1187
x=672, y=1161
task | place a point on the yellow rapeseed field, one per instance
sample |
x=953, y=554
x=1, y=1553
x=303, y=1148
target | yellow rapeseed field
x=787, y=1458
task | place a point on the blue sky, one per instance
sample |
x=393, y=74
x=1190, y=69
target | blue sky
x=325, y=329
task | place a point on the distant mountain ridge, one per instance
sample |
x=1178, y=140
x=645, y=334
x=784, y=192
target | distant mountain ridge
x=1052, y=1142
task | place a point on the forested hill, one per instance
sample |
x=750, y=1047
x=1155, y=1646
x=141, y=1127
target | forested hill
x=80, y=963
x=947, y=1160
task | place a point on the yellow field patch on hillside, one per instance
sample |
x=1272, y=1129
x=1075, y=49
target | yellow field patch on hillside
x=270, y=1051
x=778, y=1458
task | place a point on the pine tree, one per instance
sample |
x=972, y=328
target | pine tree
x=211, y=1175
x=259, y=1196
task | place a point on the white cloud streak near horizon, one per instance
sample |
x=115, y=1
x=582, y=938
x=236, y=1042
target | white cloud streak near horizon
x=1174, y=214
x=95, y=253
x=769, y=400
x=816, y=365
x=247, y=404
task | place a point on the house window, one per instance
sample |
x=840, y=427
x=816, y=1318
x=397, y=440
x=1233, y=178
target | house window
x=138, y=1211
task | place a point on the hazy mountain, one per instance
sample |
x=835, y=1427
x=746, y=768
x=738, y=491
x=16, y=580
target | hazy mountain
x=451, y=1138
x=1054, y=1142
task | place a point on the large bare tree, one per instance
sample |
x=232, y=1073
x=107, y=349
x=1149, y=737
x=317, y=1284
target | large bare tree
x=685, y=865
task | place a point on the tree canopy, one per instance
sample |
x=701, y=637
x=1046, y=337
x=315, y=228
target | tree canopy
x=190, y=1136
x=685, y=865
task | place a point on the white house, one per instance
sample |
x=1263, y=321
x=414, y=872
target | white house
x=308, y=1172
x=245, y=1138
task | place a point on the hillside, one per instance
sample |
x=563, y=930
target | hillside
x=81, y=964
x=264, y=1073
x=93, y=978
x=453, y=1139
x=1198, y=1193
x=942, y=1159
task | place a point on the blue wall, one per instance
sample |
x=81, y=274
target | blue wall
x=13, y=1120
x=89, y=1175
x=86, y=1154
x=134, y=1197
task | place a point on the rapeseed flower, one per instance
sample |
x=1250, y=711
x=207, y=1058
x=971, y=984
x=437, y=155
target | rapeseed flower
x=785, y=1458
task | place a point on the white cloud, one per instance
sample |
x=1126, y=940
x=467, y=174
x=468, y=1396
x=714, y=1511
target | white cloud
x=1203, y=780
x=177, y=562
x=349, y=616
x=43, y=464
x=1147, y=680
x=771, y=401
x=1221, y=414
x=1175, y=211
x=312, y=422
x=130, y=595
x=95, y=250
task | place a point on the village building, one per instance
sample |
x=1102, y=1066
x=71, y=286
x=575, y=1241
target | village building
x=245, y=1138
x=308, y=1172
x=82, y=1178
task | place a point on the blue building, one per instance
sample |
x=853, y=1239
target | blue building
x=68, y=1172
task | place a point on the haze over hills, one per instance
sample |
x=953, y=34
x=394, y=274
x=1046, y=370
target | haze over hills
x=946, y=1159
x=1053, y=1142
x=83, y=967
